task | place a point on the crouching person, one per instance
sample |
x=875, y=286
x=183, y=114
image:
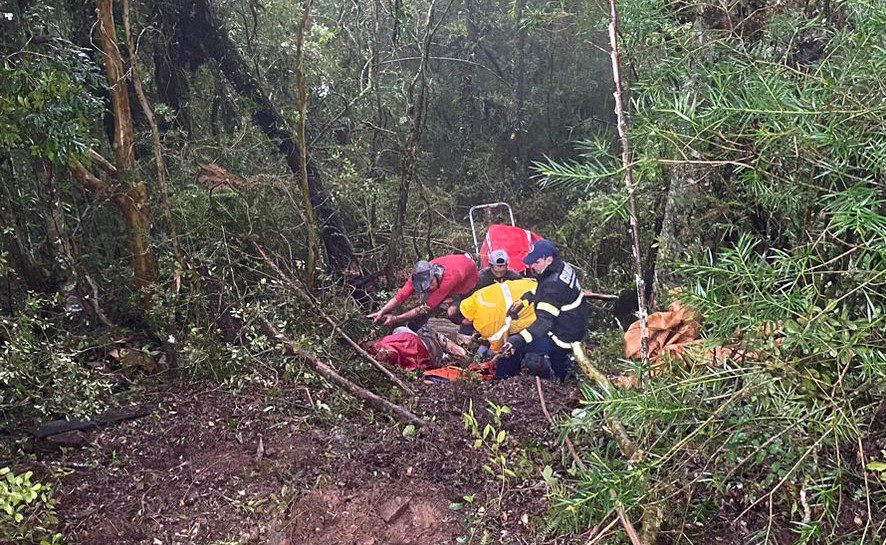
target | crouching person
x=486, y=312
x=441, y=282
x=561, y=314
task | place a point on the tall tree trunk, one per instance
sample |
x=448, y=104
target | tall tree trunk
x=626, y=158
x=376, y=174
x=683, y=175
x=156, y=144
x=133, y=199
x=468, y=110
x=209, y=39
x=170, y=68
x=517, y=153
x=415, y=109
x=310, y=223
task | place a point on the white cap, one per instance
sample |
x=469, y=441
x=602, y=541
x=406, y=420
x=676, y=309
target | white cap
x=498, y=257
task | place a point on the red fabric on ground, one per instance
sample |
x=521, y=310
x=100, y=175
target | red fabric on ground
x=403, y=350
x=516, y=241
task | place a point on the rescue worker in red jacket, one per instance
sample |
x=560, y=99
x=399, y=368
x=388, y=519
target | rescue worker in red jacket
x=441, y=282
x=545, y=347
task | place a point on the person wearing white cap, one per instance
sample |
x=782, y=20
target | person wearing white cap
x=497, y=271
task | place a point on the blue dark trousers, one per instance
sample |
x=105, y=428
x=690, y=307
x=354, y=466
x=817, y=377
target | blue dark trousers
x=559, y=357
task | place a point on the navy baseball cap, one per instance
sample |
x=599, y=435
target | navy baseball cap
x=541, y=249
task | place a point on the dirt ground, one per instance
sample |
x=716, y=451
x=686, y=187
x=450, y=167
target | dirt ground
x=266, y=466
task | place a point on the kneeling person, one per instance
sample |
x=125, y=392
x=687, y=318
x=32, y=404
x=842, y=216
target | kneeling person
x=561, y=316
x=442, y=281
x=486, y=311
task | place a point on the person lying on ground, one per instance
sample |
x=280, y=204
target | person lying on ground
x=497, y=271
x=561, y=317
x=486, y=312
x=442, y=282
x=420, y=350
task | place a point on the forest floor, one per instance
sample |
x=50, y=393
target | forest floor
x=273, y=466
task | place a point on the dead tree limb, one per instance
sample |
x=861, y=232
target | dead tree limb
x=305, y=296
x=156, y=145
x=653, y=512
x=329, y=374
x=628, y=448
x=625, y=521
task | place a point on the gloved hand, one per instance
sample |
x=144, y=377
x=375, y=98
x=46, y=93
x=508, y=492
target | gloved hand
x=515, y=308
x=506, y=350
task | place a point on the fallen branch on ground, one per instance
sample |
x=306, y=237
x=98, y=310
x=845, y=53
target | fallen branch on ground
x=628, y=448
x=329, y=374
x=625, y=521
x=109, y=417
x=653, y=512
x=308, y=298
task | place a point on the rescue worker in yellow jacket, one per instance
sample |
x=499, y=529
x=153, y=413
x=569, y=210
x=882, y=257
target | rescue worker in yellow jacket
x=486, y=310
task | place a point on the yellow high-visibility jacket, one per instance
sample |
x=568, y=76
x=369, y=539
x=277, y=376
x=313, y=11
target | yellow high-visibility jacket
x=487, y=308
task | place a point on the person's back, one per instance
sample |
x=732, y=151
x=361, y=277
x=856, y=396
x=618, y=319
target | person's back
x=487, y=310
x=443, y=280
x=560, y=295
x=459, y=277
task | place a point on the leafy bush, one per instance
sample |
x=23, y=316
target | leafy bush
x=765, y=134
x=26, y=510
x=43, y=374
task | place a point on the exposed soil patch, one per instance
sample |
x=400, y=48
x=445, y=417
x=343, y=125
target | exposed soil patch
x=211, y=466
x=392, y=513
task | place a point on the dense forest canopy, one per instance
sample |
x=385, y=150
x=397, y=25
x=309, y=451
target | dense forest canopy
x=211, y=195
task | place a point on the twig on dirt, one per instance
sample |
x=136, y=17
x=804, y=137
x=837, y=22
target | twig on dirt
x=329, y=374
x=867, y=488
x=628, y=526
x=544, y=408
x=597, y=536
x=335, y=328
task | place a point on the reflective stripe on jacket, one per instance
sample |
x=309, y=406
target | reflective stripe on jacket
x=560, y=309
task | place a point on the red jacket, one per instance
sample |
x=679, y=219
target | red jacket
x=459, y=278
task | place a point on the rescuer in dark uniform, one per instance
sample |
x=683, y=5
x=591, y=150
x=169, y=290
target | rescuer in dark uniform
x=561, y=322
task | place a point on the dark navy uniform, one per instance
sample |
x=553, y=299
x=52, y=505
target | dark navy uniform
x=561, y=321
